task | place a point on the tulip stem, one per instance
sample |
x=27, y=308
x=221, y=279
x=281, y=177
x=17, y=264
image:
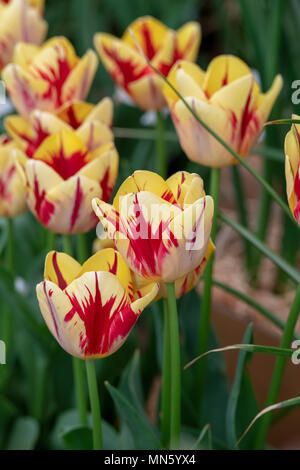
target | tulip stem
x=78, y=366
x=95, y=404
x=10, y=265
x=166, y=381
x=81, y=248
x=51, y=240
x=175, y=369
x=278, y=372
x=204, y=325
x=161, y=158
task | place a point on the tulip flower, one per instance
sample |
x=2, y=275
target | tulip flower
x=38, y=4
x=64, y=169
x=19, y=22
x=48, y=77
x=12, y=187
x=162, y=46
x=161, y=228
x=91, y=309
x=228, y=99
x=292, y=168
x=78, y=112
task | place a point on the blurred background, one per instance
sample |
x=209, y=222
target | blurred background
x=40, y=384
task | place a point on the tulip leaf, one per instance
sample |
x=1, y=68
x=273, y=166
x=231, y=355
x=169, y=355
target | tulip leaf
x=142, y=432
x=78, y=438
x=131, y=385
x=277, y=406
x=24, y=434
x=204, y=441
x=241, y=389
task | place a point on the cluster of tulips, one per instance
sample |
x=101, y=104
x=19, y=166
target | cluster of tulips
x=59, y=159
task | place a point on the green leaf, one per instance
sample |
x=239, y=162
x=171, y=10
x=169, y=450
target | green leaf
x=280, y=262
x=204, y=441
x=247, y=347
x=142, y=432
x=235, y=393
x=131, y=383
x=277, y=406
x=24, y=434
x=78, y=438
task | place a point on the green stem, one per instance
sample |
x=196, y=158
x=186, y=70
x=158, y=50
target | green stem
x=51, y=241
x=95, y=404
x=240, y=202
x=78, y=364
x=278, y=372
x=10, y=265
x=204, y=325
x=161, y=159
x=81, y=248
x=166, y=382
x=175, y=409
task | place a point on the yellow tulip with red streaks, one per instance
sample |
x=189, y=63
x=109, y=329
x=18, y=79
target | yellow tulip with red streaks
x=20, y=20
x=48, y=77
x=91, y=309
x=161, y=228
x=12, y=187
x=228, y=99
x=292, y=168
x=161, y=45
x=64, y=169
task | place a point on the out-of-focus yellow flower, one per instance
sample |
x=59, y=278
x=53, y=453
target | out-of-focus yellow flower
x=91, y=309
x=12, y=187
x=64, y=169
x=78, y=112
x=228, y=99
x=48, y=77
x=19, y=22
x=292, y=168
x=161, y=228
x=162, y=47
x=38, y=4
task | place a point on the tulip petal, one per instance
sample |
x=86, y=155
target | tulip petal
x=30, y=134
x=186, y=187
x=12, y=185
x=72, y=202
x=23, y=89
x=190, y=81
x=79, y=81
x=75, y=113
x=143, y=180
x=64, y=152
x=102, y=112
x=188, y=41
x=109, y=260
x=146, y=92
x=223, y=70
x=123, y=63
x=150, y=34
x=54, y=305
x=40, y=179
x=94, y=135
x=61, y=269
x=196, y=142
x=100, y=302
x=104, y=170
